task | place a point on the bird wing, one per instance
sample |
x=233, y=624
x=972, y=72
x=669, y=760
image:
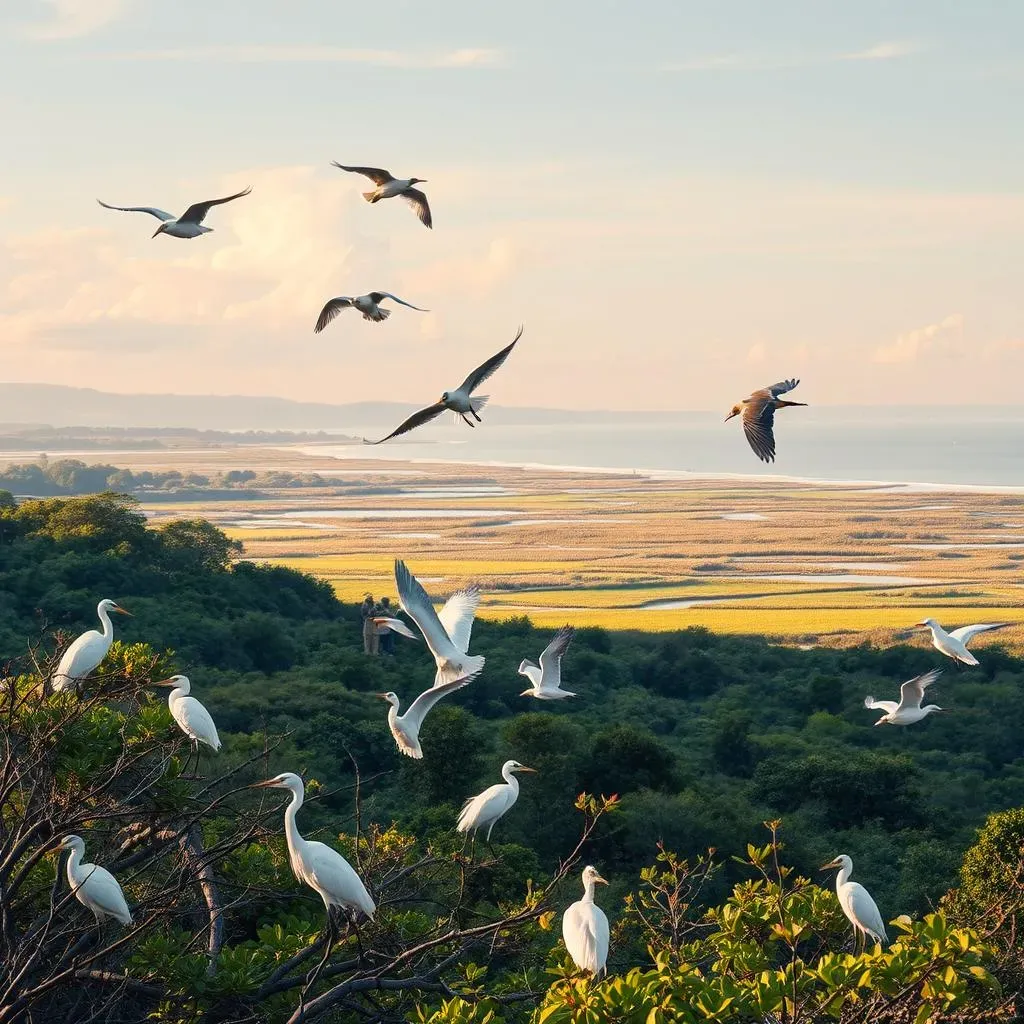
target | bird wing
x=376, y=174
x=379, y=297
x=551, y=658
x=758, y=423
x=966, y=633
x=888, y=706
x=485, y=807
x=328, y=871
x=418, y=201
x=330, y=311
x=484, y=370
x=782, y=387
x=151, y=210
x=100, y=887
x=912, y=691
x=417, y=605
x=417, y=419
x=457, y=616
x=396, y=626
x=197, y=212
x=420, y=707
x=195, y=721
x=585, y=933
x=865, y=910
x=84, y=654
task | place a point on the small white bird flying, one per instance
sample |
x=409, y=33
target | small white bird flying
x=909, y=709
x=858, y=906
x=758, y=411
x=444, y=636
x=188, y=225
x=388, y=186
x=193, y=719
x=547, y=676
x=94, y=887
x=88, y=650
x=406, y=728
x=395, y=625
x=585, y=928
x=315, y=864
x=483, y=810
x=368, y=305
x=461, y=401
x=954, y=643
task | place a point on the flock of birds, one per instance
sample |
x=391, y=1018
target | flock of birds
x=446, y=633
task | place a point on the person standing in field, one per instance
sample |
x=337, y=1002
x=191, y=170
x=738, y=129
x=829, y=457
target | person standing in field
x=386, y=637
x=370, y=640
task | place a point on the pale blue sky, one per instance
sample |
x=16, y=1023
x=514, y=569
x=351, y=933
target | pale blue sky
x=681, y=200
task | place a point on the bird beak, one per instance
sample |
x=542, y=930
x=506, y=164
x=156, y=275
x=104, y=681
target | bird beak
x=268, y=784
x=921, y=623
x=829, y=865
x=157, y=232
x=526, y=692
x=881, y=721
x=523, y=768
x=164, y=682
x=730, y=416
x=598, y=878
x=120, y=611
x=383, y=696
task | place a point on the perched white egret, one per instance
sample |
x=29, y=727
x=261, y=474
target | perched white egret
x=94, y=887
x=406, y=728
x=443, y=636
x=188, y=225
x=954, y=643
x=858, y=906
x=315, y=864
x=369, y=305
x=460, y=401
x=547, y=676
x=483, y=810
x=758, y=412
x=193, y=719
x=85, y=653
x=585, y=928
x=388, y=186
x=909, y=709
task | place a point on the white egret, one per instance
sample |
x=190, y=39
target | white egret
x=758, y=411
x=483, y=810
x=547, y=676
x=193, y=719
x=188, y=225
x=406, y=728
x=94, y=887
x=909, y=709
x=368, y=305
x=585, y=928
x=858, y=906
x=388, y=186
x=460, y=401
x=456, y=615
x=86, y=652
x=443, y=636
x=954, y=643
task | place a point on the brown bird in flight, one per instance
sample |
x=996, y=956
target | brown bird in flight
x=388, y=186
x=759, y=417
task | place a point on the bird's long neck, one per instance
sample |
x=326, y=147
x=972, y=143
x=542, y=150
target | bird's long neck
x=176, y=694
x=291, y=830
x=393, y=715
x=513, y=782
x=588, y=891
x=844, y=876
x=938, y=633
x=74, y=862
x=108, y=626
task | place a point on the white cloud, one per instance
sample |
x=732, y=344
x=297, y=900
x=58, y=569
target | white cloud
x=885, y=51
x=255, y=53
x=785, y=62
x=944, y=337
x=72, y=18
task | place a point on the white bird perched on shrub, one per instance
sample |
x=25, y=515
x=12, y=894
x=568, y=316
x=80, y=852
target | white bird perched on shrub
x=547, y=676
x=858, y=906
x=585, y=928
x=193, y=719
x=94, y=887
x=483, y=810
x=954, y=643
x=909, y=709
x=88, y=650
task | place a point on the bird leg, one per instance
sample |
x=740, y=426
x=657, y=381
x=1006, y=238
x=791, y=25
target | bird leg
x=330, y=937
x=473, y=411
x=469, y=423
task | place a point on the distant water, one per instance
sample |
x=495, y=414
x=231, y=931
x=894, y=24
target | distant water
x=935, y=446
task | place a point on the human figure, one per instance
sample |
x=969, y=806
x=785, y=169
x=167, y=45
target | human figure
x=367, y=611
x=386, y=636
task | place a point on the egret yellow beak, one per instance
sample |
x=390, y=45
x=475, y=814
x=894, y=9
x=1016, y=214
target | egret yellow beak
x=164, y=682
x=267, y=784
x=523, y=768
x=120, y=611
x=598, y=878
x=829, y=865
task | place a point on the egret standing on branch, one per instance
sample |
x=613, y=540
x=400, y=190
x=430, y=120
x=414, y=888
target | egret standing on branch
x=585, y=928
x=188, y=225
x=909, y=709
x=954, y=643
x=86, y=653
x=193, y=719
x=94, y=887
x=547, y=676
x=388, y=186
x=858, y=906
x=483, y=810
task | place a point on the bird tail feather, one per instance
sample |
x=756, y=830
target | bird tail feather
x=968, y=659
x=371, y=197
x=478, y=402
x=467, y=669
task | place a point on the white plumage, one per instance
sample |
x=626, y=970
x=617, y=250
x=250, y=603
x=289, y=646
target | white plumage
x=406, y=728
x=88, y=650
x=585, y=928
x=954, y=643
x=315, y=864
x=193, y=719
x=188, y=225
x=909, y=709
x=547, y=676
x=483, y=810
x=94, y=887
x=858, y=906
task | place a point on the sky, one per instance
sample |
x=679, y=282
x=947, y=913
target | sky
x=680, y=200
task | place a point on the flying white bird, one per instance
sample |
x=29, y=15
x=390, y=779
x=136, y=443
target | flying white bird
x=758, y=411
x=389, y=186
x=193, y=719
x=858, y=906
x=368, y=305
x=909, y=709
x=547, y=676
x=88, y=650
x=446, y=637
x=406, y=728
x=461, y=401
x=188, y=225
x=395, y=625
x=483, y=810
x=585, y=928
x=315, y=864
x=456, y=615
x=94, y=887
x=954, y=643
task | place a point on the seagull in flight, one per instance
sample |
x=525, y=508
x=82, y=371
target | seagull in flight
x=461, y=401
x=954, y=643
x=909, y=709
x=388, y=186
x=368, y=305
x=188, y=225
x=758, y=413
x=547, y=676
